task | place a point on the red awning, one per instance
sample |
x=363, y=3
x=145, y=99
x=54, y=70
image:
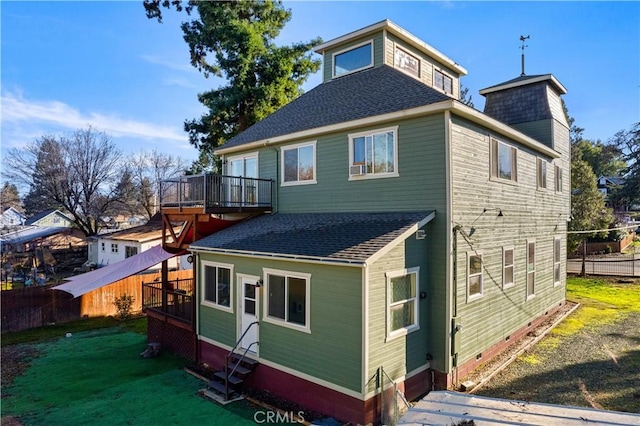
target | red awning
x=84, y=283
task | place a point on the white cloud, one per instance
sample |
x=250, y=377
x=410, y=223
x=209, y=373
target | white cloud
x=18, y=112
x=157, y=60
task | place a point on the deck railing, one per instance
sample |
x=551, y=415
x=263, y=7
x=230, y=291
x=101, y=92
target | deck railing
x=175, y=300
x=211, y=191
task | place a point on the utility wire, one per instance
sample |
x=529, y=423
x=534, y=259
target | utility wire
x=603, y=230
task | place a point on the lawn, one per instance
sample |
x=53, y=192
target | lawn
x=98, y=377
x=591, y=359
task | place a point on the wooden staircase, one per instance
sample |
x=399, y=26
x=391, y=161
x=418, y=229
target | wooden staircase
x=226, y=384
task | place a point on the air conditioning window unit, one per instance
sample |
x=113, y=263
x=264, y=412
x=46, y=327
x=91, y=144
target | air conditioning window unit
x=358, y=170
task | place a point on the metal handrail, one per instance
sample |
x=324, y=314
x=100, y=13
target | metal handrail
x=231, y=352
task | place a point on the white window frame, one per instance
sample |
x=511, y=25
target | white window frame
x=541, y=173
x=397, y=52
x=530, y=274
x=470, y=296
x=505, y=266
x=444, y=75
x=282, y=164
x=371, y=133
x=114, y=247
x=558, y=178
x=393, y=334
x=494, y=161
x=557, y=261
x=340, y=52
x=203, y=280
x=265, y=299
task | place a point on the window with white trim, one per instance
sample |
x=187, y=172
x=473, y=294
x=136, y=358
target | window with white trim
x=374, y=153
x=406, y=62
x=474, y=275
x=216, y=285
x=287, y=301
x=114, y=248
x=531, y=268
x=541, y=173
x=504, y=163
x=558, y=178
x=353, y=59
x=556, y=260
x=299, y=164
x=442, y=81
x=508, y=266
x=402, y=302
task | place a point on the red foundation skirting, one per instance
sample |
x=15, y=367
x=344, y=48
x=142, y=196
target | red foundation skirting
x=315, y=397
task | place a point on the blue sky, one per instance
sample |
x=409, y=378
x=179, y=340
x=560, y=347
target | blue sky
x=65, y=65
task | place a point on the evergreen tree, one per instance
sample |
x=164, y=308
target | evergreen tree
x=235, y=40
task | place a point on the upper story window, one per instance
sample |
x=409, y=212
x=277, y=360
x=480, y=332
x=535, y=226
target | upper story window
x=504, y=164
x=216, y=283
x=402, y=302
x=474, y=275
x=558, y=178
x=541, y=173
x=406, y=62
x=373, y=154
x=353, y=59
x=299, y=164
x=442, y=81
x=508, y=259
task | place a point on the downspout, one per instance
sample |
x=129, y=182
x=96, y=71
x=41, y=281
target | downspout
x=276, y=183
x=194, y=301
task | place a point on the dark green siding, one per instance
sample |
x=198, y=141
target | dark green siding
x=378, y=49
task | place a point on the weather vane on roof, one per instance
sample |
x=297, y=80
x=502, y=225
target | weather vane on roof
x=522, y=39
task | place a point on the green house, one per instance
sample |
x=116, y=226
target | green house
x=408, y=235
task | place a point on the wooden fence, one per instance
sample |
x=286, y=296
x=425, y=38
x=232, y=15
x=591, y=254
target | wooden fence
x=37, y=306
x=607, y=246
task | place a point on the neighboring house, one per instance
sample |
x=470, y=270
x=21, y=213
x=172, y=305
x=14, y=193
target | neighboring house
x=607, y=185
x=11, y=218
x=27, y=238
x=107, y=249
x=406, y=231
x=50, y=218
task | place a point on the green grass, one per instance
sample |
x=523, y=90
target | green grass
x=603, y=301
x=97, y=377
x=136, y=325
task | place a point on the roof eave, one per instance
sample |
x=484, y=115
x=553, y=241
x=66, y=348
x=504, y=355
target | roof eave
x=556, y=84
x=283, y=256
x=399, y=32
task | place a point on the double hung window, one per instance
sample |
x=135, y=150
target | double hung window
x=507, y=267
x=504, y=163
x=474, y=275
x=531, y=268
x=402, y=302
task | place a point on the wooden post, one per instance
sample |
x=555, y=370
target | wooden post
x=164, y=278
x=583, y=273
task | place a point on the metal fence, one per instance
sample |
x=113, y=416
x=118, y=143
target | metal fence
x=624, y=265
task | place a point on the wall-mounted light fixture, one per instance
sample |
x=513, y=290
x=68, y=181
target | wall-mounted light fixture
x=259, y=283
x=190, y=258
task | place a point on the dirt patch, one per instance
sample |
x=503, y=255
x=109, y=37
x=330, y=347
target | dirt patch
x=597, y=367
x=483, y=373
x=15, y=361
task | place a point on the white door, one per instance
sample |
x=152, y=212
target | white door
x=243, y=191
x=249, y=313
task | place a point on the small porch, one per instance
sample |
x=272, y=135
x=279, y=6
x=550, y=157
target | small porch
x=171, y=303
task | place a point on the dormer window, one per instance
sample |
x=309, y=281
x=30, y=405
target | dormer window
x=406, y=62
x=442, y=81
x=353, y=59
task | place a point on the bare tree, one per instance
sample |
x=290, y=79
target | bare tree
x=77, y=172
x=148, y=170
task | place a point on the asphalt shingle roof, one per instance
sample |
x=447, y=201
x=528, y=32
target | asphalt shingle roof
x=363, y=94
x=333, y=236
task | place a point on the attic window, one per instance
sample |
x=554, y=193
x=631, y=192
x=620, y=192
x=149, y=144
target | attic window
x=406, y=62
x=353, y=59
x=442, y=81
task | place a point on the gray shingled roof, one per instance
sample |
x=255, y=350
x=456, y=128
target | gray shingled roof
x=346, y=237
x=363, y=94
